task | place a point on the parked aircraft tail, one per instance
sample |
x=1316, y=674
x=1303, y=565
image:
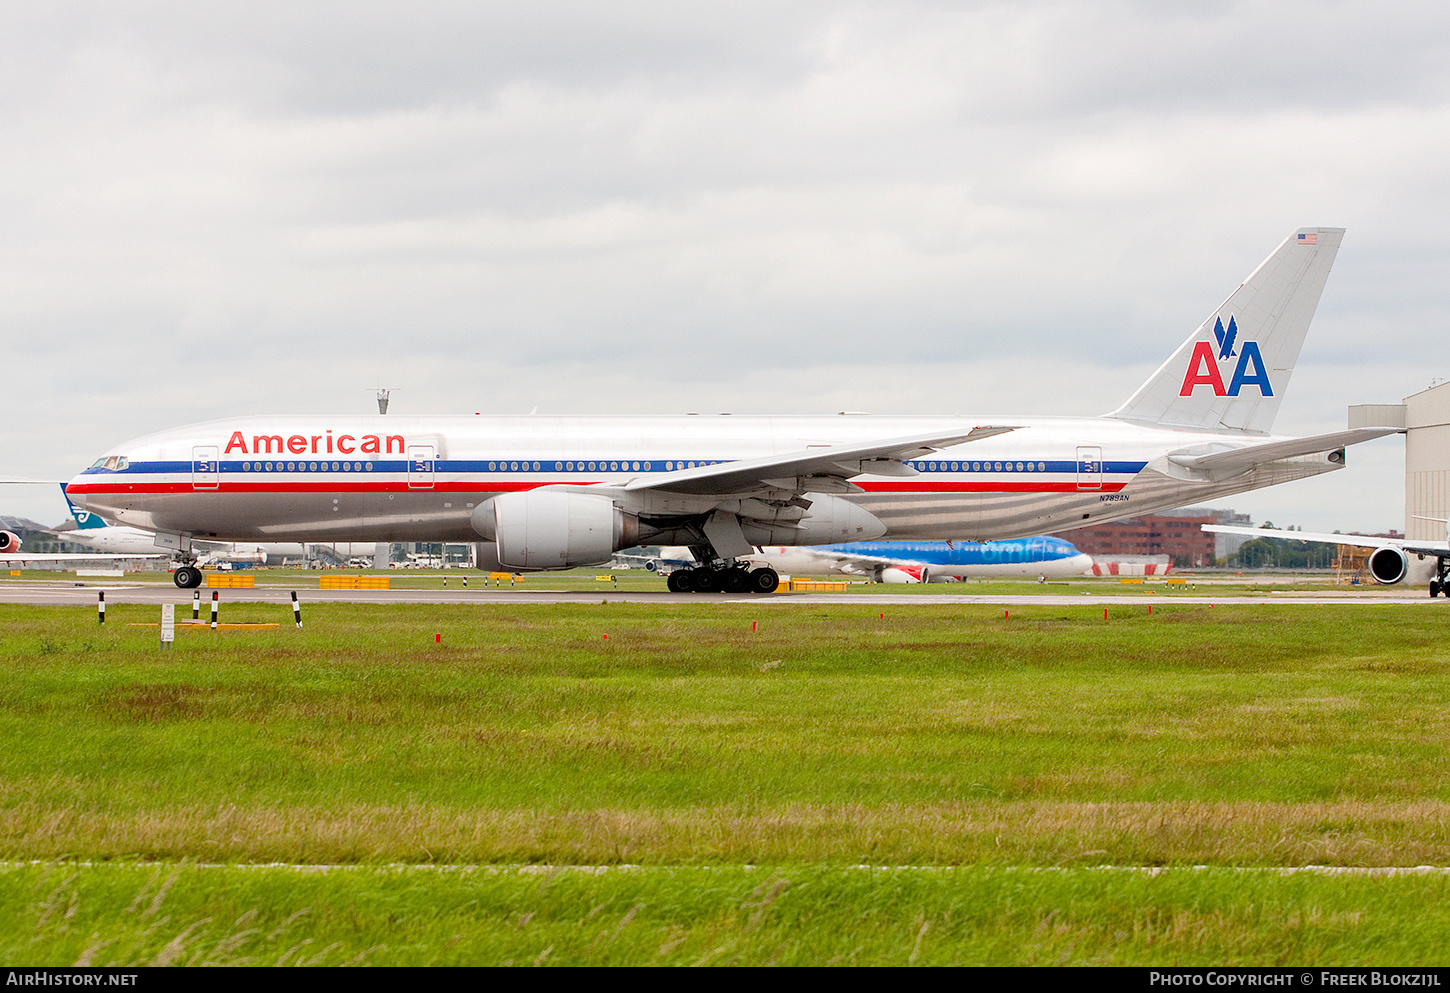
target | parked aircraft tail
x=83, y=519
x=1232, y=372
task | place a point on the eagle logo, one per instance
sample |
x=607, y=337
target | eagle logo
x=1225, y=338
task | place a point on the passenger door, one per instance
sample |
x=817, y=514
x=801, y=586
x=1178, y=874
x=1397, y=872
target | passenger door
x=1089, y=468
x=420, y=467
x=205, y=469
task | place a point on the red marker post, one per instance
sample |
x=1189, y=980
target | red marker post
x=101, y=608
x=214, y=606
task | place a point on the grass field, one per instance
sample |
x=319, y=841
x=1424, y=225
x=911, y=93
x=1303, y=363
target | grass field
x=797, y=915
x=941, y=736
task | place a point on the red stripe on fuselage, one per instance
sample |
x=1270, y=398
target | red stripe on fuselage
x=501, y=486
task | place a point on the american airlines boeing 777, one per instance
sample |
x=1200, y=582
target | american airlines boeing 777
x=558, y=492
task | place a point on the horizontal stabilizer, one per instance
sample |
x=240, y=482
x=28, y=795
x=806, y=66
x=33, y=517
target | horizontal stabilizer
x=839, y=461
x=1243, y=459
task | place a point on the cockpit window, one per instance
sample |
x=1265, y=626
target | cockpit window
x=100, y=463
x=111, y=462
x=122, y=462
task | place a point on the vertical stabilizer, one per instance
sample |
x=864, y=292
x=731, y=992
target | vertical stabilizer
x=1234, y=370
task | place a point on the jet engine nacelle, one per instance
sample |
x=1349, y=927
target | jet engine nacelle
x=9, y=541
x=1388, y=565
x=902, y=574
x=553, y=529
x=485, y=558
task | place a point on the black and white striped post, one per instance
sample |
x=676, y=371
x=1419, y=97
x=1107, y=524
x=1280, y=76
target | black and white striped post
x=465, y=582
x=101, y=608
x=196, y=606
x=296, y=610
x=214, y=606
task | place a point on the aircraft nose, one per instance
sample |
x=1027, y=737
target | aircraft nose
x=73, y=494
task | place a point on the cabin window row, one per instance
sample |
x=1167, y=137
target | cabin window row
x=306, y=467
x=979, y=466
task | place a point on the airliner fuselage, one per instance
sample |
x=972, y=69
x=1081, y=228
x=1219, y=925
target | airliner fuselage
x=396, y=478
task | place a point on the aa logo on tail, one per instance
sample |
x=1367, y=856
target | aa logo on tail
x=1203, y=366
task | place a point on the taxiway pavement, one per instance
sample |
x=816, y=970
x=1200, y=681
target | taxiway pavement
x=82, y=594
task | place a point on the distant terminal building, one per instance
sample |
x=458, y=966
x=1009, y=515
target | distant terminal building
x=1179, y=536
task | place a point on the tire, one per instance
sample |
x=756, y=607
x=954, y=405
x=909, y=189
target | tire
x=1435, y=588
x=765, y=580
x=678, y=582
x=187, y=577
x=705, y=581
x=736, y=581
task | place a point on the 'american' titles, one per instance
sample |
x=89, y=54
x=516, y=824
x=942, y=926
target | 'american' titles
x=317, y=444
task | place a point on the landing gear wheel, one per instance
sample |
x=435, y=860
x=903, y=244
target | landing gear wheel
x=765, y=580
x=1436, y=588
x=187, y=577
x=678, y=582
x=705, y=581
x=736, y=581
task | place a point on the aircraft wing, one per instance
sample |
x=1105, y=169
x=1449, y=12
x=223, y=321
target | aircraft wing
x=794, y=470
x=1246, y=458
x=1354, y=540
x=854, y=563
x=22, y=479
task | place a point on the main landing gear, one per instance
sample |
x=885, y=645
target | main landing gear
x=187, y=577
x=735, y=579
x=1441, y=584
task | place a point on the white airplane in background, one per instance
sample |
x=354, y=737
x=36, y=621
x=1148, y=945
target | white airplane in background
x=1388, y=564
x=557, y=492
x=11, y=554
x=91, y=531
x=95, y=533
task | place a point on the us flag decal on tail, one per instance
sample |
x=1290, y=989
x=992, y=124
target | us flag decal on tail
x=1308, y=239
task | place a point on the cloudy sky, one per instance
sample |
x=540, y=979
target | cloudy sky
x=659, y=207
